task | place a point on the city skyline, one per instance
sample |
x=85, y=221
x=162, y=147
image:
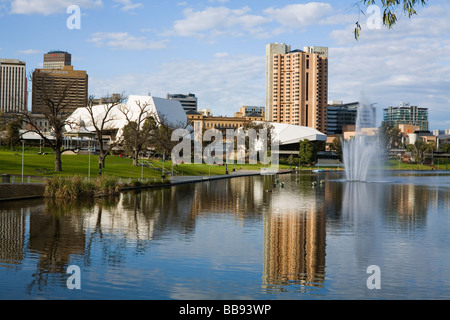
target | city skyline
x=216, y=49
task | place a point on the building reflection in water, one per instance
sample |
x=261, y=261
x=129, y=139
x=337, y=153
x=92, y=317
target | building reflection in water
x=294, y=238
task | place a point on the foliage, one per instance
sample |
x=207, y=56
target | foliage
x=390, y=11
x=336, y=147
x=12, y=136
x=445, y=148
x=307, y=152
x=77, y=187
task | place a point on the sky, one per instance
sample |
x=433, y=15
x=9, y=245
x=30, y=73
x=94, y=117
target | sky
x=215, y=49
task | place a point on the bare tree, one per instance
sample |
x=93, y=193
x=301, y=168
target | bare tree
x=55, y=109
x=102, y=118
x=135, y=133
x=160, y=137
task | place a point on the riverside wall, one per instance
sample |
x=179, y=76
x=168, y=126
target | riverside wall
x=19, y=191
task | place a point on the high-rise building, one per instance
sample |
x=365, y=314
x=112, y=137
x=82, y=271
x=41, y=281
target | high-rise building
x=59, y=83
x=67, y=84
x=407, y=114
x=13, y=86
x=298, y=86
x=271, y=50
x=188, y=101
x=340, y=115
x=57, y=60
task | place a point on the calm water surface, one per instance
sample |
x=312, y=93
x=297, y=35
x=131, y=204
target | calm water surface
x=242, y=238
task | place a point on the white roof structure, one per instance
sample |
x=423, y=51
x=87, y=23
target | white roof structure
x=291, y=134
x=170, y=111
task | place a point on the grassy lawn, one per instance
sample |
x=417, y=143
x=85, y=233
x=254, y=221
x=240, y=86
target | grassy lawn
x=398, y=165
x=39, y=166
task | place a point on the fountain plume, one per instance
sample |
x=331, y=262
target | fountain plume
x=361, y=153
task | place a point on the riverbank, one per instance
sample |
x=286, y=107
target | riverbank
x=73, y=188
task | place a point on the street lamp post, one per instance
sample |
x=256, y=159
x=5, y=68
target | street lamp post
x=23, y=159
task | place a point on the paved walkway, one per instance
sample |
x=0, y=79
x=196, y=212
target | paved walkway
x=237, y=174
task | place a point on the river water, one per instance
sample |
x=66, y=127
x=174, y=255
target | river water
x=293, y=236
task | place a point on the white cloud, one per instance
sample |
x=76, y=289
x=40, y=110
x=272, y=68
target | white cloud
x=224, y=83
x=300, y=15
x=125, y=41
x=47, y=7
x=128, y=5
x=30, y=51
x=216, y=21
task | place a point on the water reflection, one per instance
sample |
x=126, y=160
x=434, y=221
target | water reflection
x=274, y=236
x=294, y=238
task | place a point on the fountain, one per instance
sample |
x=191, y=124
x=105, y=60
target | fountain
x=360, y=153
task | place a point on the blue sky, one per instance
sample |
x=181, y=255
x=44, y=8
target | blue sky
x=215, y=48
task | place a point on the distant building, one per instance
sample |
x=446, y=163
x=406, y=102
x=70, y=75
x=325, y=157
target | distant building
x=246, y=111
x=170, y=111
x=188, y=101
x=57, y=60
x=206, y=112
x=59, y=80
x=114, y=98
x=67, y=84
x=13, y=86
x=298, y=86
x=340, y=115
x=407, y=114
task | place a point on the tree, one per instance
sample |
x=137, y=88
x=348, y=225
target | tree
x=160, y=134
x=420, y=147
x=137, y=130
x=102, y=118
x=12, y=136
x=390, y=11
x=336, y=147
x=307, y=152
x=56, y=110
x=291, y=160
x=445, y=148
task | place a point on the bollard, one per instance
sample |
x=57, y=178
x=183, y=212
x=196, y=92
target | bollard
x=6, y=178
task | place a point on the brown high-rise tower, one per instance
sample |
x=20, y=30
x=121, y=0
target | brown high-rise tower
x=298, y=84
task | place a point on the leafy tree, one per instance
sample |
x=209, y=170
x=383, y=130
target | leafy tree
x=307, y=152
x=420, y=147
x=336, y=147
x=445, y=148
x=291, y=160
x=390, y=11
x=12, y=136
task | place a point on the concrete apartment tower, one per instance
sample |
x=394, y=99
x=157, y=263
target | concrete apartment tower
x=13, y=86
x=297, y=85
x=271, y=50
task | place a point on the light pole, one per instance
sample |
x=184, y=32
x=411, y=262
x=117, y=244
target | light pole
x=23, y=159
x=89, y=167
